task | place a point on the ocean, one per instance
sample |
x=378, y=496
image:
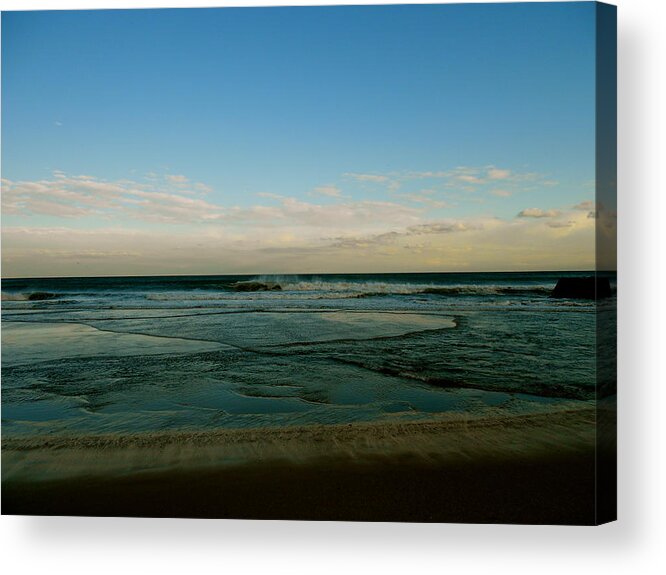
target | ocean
x=126, y=355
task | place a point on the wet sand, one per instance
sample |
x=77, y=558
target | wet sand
x=523, y=469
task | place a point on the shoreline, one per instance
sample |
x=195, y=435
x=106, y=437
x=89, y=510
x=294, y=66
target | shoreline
x=452, y=437
x=519, y=469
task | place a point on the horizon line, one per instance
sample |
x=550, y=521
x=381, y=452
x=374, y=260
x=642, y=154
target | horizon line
x=167, y=275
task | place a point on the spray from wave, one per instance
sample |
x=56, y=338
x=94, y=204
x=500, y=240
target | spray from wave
x=34, y=296
x=14, y=297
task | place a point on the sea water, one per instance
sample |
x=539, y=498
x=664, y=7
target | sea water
x=133, y=354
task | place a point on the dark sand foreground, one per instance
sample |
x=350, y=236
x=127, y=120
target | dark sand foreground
x=524, y=469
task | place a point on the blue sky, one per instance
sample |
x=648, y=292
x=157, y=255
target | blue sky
x=316, y=130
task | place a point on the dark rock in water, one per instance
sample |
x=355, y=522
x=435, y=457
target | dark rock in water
x=582, y=288
x=256, y=286
x=40, y=295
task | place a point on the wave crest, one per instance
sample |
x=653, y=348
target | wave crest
x=372, y=289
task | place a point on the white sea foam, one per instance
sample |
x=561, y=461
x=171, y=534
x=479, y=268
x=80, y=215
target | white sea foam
x=377, y=288
x=354, y=289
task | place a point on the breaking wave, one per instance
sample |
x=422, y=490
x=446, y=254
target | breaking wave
x=306, y=290
x=351, y=290
x=373, y=289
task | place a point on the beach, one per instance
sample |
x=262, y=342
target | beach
x=529, y=469
x=386, y=397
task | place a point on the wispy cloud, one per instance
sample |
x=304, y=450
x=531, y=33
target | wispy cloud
x=80, y=196
x=442, y=227
x=425, y=197
x=538, y=213
x=177, y=179
x=376, y=178
x=429, y=228
x=339, y=215
x=463, y=178
x=293, y=236
x=191, y=231
x=202, y=188
x=498, y=174
x=329, y=190
x=171, y=203
x=585, y=206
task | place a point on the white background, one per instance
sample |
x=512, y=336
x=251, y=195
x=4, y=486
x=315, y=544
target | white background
x=634, y=544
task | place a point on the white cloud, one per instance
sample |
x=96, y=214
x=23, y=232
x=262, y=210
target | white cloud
x=289, y=235
x=302, y=237
x=77, y=196
x=83, y=195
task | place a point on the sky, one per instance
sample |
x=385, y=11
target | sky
x=298, y=140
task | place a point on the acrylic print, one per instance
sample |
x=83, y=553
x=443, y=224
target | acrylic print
x=320, y=263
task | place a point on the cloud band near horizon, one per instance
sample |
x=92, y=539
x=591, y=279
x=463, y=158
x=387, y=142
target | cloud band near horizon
x=82, y=225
